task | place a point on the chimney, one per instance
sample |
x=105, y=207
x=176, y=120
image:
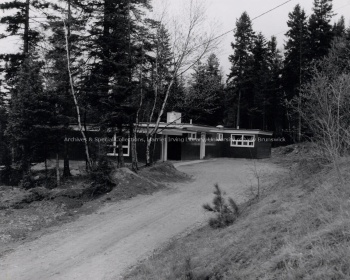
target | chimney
x=173, y=117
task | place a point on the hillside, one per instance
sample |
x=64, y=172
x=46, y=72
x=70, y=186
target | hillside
x=298, y=229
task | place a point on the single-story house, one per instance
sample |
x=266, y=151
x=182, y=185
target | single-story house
x=186, y=141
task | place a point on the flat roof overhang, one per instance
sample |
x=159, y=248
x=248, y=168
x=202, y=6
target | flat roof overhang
x=243, y=131
x=181, y=128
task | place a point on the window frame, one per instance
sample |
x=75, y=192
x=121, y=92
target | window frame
x=115, y=147
x=219, y=137
x=190, y=136
x=244, y=142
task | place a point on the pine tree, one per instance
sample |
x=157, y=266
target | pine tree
x=58, y=76
x=18, y=24
x=160, y=71
x=296, y=52
x=275, y=111
x=239, y=79
x=29, y=114
x=113, y=49
x=339, y=29
x=258, y=100
x=320, y=29
x=203, y=99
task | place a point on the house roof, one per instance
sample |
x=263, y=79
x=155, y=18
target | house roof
x=181, y=128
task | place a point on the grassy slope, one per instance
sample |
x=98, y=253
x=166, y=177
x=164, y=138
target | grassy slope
x=299, y=229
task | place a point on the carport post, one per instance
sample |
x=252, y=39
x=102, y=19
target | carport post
x=202, y=147
x=165, y=148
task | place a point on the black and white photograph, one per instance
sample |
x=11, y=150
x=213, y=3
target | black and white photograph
x=174, y=140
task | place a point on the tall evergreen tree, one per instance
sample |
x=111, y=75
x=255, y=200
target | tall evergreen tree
x=239, y=79
x=203, y=100
x=339, y=29
x=296, y=52
x=18, y=25
x=58, y=76
x=296, y=62
x=113, y=48
x=29, y=113
x=275, y=111
x=258, y=100
x=320, y=29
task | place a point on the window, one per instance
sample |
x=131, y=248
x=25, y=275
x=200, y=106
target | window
x=114, y=148
x=219, y=137
x=192, y=136
x=241, y=140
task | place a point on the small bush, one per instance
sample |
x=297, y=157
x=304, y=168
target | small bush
x=226, y=211
x=27, y=182
x=101, y=179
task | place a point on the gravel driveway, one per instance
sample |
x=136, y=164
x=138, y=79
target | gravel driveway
x=104, y=244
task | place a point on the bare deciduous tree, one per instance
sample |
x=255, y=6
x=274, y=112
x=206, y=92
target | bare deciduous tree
x=190, y=43
x=325, y=105
x=71, y=82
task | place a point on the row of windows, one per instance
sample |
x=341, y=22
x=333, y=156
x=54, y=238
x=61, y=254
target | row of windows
x=114, y=149
x=237, y=140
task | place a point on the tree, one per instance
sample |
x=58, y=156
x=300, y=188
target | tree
x=296, y=50
x=161, y=65
x=203, y=99
x=258, y=99
x=326, y=104
x=241, y=60
x=29, y=113
x=339, y=29
x=275, y=109
x=57, y=74
x=192, y=43
x=114, y=48
x=296, y=60
x=320, y=29
x=18, y=25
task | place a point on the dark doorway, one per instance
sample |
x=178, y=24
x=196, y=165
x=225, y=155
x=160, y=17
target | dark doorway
x=174, y=148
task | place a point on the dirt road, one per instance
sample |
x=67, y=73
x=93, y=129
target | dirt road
x=104, y=244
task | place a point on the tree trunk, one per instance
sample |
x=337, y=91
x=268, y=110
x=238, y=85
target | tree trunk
x=133, y=139
x=58, y=179
x=148, y=150
x=88, y=159
x=46, y=177
x=238, y=110
x=120, y=147
x=26, y=30
x=66, y=169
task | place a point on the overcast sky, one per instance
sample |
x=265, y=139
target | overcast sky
x=225, y=12
x=273, y=23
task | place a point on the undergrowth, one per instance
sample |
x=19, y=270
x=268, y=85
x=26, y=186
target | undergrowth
x=299, y=229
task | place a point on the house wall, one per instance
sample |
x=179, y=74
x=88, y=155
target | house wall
x=179, y=147
x=261, y=149
x=190, y=150
x=213, y=148
x=264, y=146
x=77, y=148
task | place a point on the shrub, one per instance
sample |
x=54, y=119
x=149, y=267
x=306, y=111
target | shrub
x=27, y=181
x=100, y=177
x=226, y=211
